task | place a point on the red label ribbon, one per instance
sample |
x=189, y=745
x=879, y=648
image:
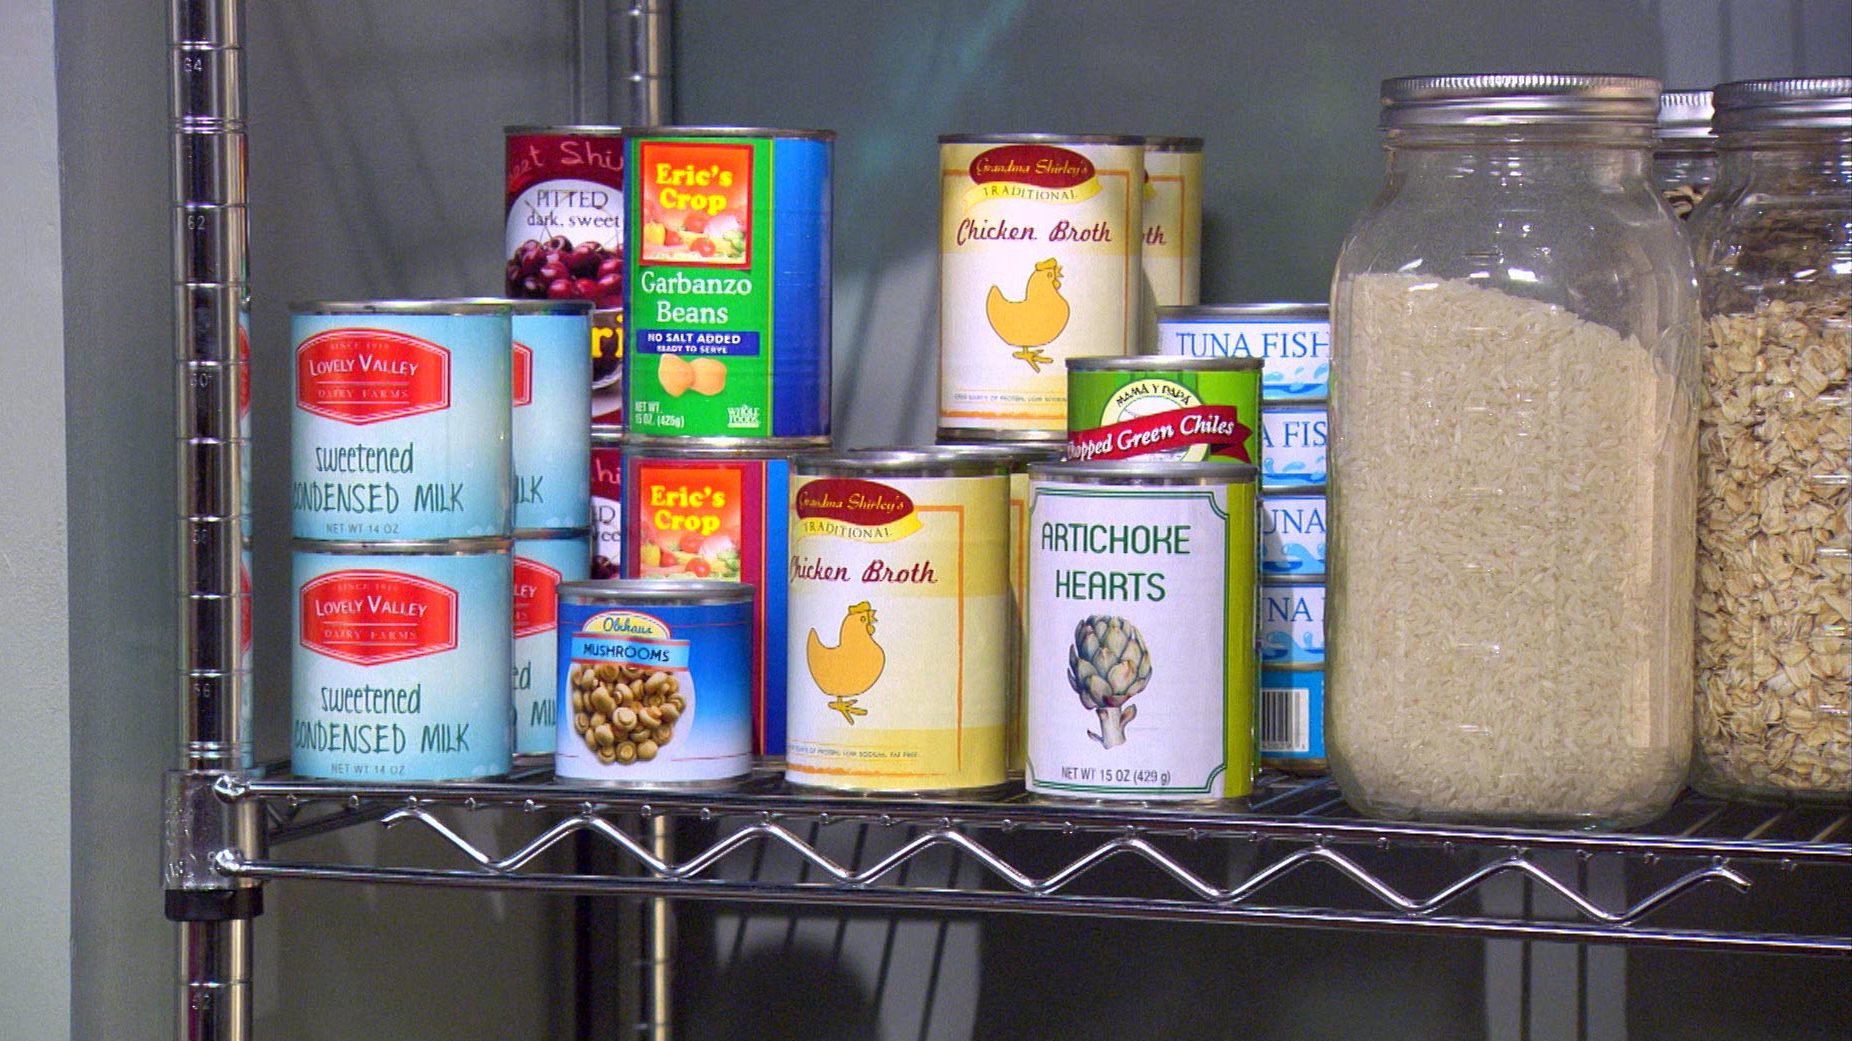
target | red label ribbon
x=1218, y=426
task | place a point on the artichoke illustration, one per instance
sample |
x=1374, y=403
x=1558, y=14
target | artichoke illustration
x=1107, y=665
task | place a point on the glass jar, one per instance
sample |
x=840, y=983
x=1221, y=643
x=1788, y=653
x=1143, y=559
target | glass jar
x=1513, y=462
x=1685, y=155
x=1774, y=245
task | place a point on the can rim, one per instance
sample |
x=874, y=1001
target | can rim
x=1161, y=143
x=1019, y=453
x=550, y=534
x=609, y=437
x=979, y=436
x=930, y=461
x=731, y=131
x=1270, y=309
x=1163, y=363
x=1040, y=138
x=658, y=591
x=1141, y=471
x=522, y=306
x=1307, y=491
x=448, y=306
x=482, y=545
x=584, y=129
x=723, y=447
x=1300, y=405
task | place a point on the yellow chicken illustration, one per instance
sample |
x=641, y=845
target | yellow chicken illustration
x=847, y=670
x=1035, y=320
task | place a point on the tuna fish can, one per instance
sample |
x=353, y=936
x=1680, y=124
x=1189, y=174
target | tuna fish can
x=729, y=283
x=565, y=226
x=402, y=425
x=653, y=681
x=1292, y=623
x=552, y=393
x=1292, y=719
x=1292, y=534
x=402, y=658
x=1293, y=447
x=717, y=508
x=1293, y=339
x=899, y=631
x=1175, y=409
x=1173, y=242
x=1039, y=261
x=542, y=560
x=1141, y=630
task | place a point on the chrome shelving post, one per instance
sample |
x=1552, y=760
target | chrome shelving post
x=214, y=910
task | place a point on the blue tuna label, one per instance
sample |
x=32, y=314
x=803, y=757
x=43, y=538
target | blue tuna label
x=552, y=440
x=1292, y=714
x=1296, y=352
x=1292, y=447
x=1292, y=625
x=1292, y=535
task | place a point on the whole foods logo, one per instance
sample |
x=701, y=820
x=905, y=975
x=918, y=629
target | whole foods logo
x=371, y=617
x=1163, y=419
x=536, y=599
x=1040, y=173
x=363, y=376
x=523, y=375
x=848, y=507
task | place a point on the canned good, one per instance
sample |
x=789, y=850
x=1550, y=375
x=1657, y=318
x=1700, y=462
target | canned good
x=1292, y=534
x=1292, y=623
x=653, y=683
x=716, y=508
x=402, y=424
x=1293, y=339
x=551, y=391
x=607, y=504
x=565, y=215
x=1292, y=719
x=729, y=293
x=1180, y=409
x=402, y=657
x=608, y=368
x=899, y=628
x=1039, y=262
x=1292, y=447
x=1141, y=630
x=1173, y=205
x=542, y=560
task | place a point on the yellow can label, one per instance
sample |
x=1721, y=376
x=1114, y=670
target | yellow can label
x=1173, y=226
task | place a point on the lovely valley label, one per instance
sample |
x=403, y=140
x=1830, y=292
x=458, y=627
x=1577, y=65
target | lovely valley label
x=540, y=565
x=363, y=376
x=523, y=375
x=370, y=617
x=536, y=610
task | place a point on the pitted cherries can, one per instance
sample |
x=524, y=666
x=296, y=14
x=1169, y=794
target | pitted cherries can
x=565, y=213
x=1183, y=409
x=1173, y=207
x=552, y=390
x=542, y=561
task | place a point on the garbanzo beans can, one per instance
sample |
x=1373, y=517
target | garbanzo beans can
x=1184, y=409
x=1039, y=261
x=1173, y=240
x=899, y=628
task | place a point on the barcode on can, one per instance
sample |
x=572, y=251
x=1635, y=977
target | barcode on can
x=1292, y=713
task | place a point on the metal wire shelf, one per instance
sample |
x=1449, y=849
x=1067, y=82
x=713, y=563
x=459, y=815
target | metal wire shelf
x=1293, y=855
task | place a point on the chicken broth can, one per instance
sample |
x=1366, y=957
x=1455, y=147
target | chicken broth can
x=729, y=294
x=1173, y=208
x=1039, y=262
x=653, y=683
x=1182, y=409
x=1292, y=719
x=899, y=628
x=1292, y=534
x=552, y=390
x=565, y=213
x=1293, y=339
x=402, y=425
x=717, y=508
x=542, y=560
x=1141, y=630
x=1294, y=453
x=607, y=504
x=402, y=660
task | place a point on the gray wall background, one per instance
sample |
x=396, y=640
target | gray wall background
x=376, y=168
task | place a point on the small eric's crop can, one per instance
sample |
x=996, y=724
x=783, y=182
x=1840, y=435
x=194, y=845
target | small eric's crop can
x=1293, y=447
x=1141, y=630
x=1292, y=623
x=565, y=227
x=899, y=630
x=1292, y=534
x=729, y=294
x=607, y=504
x=1292, y=719
x=652, y=683
x=718, y=508
x=1039, y=262
x=402, y=660
x=542, y=560
x=1293, y=339
x=1173, y=258
x=402, y=426
x=1181, y=409
x=552, y=392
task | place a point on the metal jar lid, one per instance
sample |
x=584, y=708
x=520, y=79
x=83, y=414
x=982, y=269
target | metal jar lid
x=655, y=591
x=470, y=547
x=551, y=534
x=563, y=129
x=1173, y=144
x=1810, y=103
x=898, y=462
x=1040, y=139
x=1519, y=99
x=459, y=306
x=1167, y=363
x=1277, y=309
x=1144, y=471
x=721, y=447
x=730, y=131
x=1685, y=115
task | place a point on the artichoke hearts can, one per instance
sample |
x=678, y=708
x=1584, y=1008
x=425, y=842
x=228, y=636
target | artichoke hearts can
x=402, y=657
x=728, y=295
x=1173, y=239
x=653, y=679
x=899, y=624
x=1182, y=409
x=542, y=560
x=1141, y=653
x=1039, y=261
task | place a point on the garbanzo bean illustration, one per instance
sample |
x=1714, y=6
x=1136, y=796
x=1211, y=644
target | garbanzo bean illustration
x=710, y=375
x=623, y=713
x=675, y=374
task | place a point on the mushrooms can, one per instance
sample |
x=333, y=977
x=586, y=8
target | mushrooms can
x=1141, y=630
x=1293, y=339
x=899, y=628
x=402, y=658
x=1173, y=205
x=542, y=560
x=1039, y=262
x=1182, y=409
x=1292, y=719
x=1294, y=453
x=552, y=390
x=402, y=425
x=717, y=508
x=653, y=681
x=607, y=504
x=728, y=314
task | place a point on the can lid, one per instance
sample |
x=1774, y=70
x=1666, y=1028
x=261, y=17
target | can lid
x=1173, y=144
x=562, y=129
x=1519, y=99
x=1685, y=115
x=729, y=131
x=1808, y=103
x=1276, y=309
x=898, y=462
x=414, y=547
x=1163, y=363
x=1145, y=471
x=722, y=447
x=949, y=436
x=609, y=437
x=531, y=307
x=656, y=591
x=1016, y=454
x=548, y=534
x=1040, y=139
x=458, y=306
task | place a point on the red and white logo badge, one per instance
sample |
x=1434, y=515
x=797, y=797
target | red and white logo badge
x=363, y=376
x=373, y=617
x=523, y=375
x=536, y=600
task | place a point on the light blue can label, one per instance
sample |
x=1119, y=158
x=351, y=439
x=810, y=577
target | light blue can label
x=401, y=664
x=1292, y=624
x=1296, y=351
x=1292, y=447
x=552, y=437
x=540, y=565
x=402, y=426
x=1292, y=535
x=1292, y=714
